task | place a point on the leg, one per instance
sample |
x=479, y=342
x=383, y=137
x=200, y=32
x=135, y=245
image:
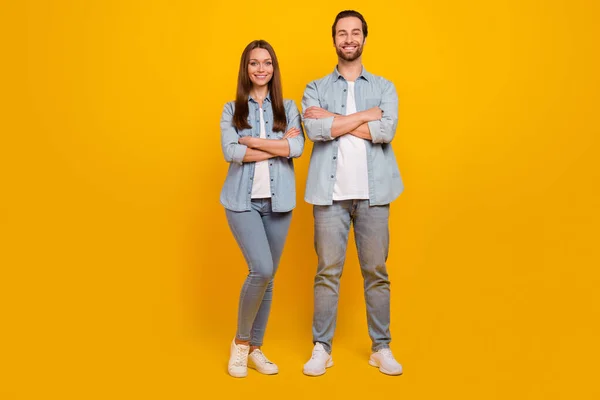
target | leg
x=332, y=224
x=372, y=242
x=276, y=227
x=249, y=232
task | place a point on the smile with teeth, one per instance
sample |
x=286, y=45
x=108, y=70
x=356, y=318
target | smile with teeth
x=260, y=76
x=349, y=48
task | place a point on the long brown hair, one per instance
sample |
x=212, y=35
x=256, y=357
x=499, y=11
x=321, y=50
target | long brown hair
x=245, y=85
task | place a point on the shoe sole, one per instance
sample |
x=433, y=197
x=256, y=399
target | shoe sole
x=328, y=364
x=262, y=371
x=235, y=375
x=383, y=370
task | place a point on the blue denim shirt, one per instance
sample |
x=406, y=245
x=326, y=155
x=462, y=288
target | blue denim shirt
x=237, y=190
x=330, y=93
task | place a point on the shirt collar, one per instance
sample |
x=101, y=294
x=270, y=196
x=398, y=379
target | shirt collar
x=268, y=98
x=364, y=74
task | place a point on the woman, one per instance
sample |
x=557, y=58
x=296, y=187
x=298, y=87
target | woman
x=260, y=135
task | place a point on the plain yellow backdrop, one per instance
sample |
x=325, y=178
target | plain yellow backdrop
x=119, y=276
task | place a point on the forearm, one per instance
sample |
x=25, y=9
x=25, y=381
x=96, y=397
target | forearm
x=362, y=132
x=256, y=155
x=343, y=124
x=278, y=147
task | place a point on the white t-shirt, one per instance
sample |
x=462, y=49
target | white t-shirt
x=261, y=185
x=352, y=176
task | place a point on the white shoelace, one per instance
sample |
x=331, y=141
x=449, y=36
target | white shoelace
x=241, y=357
x=261, y=357
x=317, y=351
x=387, y=353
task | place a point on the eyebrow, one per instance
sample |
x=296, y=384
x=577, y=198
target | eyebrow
x=256, y=59
x=353, y=30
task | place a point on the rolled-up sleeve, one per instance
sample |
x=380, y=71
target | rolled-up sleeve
x=317, y=130
x=232, y=150
x=384, y=129
x=296, y=143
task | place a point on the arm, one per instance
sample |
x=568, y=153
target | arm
x=383, y=129
x=233, y=151
x=276, y=147
x=292, y=144
x=256, y=155
x=355, y=124
x=317, y=129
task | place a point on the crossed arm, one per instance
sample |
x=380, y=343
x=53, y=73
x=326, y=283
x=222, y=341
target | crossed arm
x=377, y=124
x=263, y=149
x=354, y=124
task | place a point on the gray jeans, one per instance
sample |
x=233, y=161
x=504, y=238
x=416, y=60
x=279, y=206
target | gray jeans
x=371, y=232
x=261, y=234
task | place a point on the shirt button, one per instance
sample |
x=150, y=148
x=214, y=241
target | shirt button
x=271, y=179
x=332, y=176
x=342, y=106
x=272, y=194
x=334, y=157
x=271, y=164
x=266, y=122
x=344, y=90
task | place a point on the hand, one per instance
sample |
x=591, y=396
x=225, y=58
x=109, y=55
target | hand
x=374, y=114
x=317, y=113
x=246, y=140
x=291, y=133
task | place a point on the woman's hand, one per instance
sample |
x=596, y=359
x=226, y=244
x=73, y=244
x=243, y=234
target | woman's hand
x=291, y=133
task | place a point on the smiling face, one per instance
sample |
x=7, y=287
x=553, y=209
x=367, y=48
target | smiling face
x=349, y=38
x=260, y=67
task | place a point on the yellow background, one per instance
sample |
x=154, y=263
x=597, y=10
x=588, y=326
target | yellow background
x=120, y=278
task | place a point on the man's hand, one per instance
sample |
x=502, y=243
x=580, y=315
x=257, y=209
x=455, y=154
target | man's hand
x=246, y=140
x=317, y=113
x=291, y=133
x=373, y=114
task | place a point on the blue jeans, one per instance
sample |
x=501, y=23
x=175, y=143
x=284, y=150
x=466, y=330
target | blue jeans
x=261, y=234
x=371, y=232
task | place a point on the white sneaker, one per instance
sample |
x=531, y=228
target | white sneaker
x=261, y=363
x=384, y=359
x=319, y=361
x=238, y=360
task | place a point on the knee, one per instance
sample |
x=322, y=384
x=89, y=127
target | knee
x=263, y=275
x=376, y=272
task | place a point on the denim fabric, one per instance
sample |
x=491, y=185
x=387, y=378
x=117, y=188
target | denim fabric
x=260, y=234
x=330, y=93
x=237, y=190
x=332, y=225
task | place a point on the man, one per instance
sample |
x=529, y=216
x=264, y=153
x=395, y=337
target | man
x=351, y=116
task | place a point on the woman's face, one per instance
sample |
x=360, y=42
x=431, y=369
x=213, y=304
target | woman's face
x=260, y=67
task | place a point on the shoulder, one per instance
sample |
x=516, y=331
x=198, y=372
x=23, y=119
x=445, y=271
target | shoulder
x=381, y=81
x=229, y=106
x=290, y=107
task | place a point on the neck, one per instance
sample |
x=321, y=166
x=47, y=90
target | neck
x=259, y=93
x=350, y=70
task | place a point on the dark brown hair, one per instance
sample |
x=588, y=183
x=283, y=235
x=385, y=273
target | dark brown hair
x=245, y=85
x=346, y=14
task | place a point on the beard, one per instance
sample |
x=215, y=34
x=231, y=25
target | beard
x=349, y=57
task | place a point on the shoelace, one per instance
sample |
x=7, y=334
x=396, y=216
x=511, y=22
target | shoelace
x=261, y=357
x=316, y=352
x=240, y=357
x=387, y=353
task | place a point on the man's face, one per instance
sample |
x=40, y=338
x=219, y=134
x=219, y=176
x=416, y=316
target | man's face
x=349, y=38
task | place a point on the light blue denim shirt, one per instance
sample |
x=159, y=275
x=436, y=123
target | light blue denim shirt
x=330, y=93
x=237, y=190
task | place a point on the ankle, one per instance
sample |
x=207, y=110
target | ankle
x=243, y=342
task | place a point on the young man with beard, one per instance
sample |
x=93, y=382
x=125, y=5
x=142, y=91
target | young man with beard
x=351, y=116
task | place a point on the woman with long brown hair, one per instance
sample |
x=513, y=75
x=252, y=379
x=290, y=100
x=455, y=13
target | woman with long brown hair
x=260, y=135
